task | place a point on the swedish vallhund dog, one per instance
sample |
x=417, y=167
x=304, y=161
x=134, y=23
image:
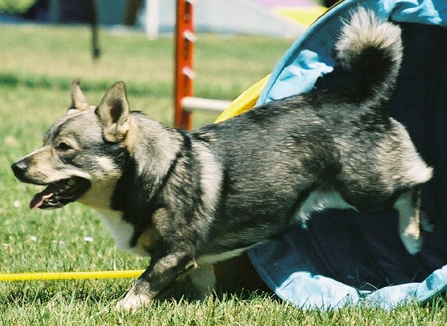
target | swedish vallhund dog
x=191, y=199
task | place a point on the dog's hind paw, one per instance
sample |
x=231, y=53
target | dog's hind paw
x=412, y=240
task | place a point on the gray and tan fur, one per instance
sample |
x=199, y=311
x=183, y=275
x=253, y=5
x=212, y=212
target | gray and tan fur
x=190, y=199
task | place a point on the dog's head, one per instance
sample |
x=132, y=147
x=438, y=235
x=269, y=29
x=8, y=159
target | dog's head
x=82, y=154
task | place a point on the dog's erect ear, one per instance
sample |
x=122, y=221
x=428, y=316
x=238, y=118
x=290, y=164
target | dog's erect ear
x=78, y=100
x=113, y=112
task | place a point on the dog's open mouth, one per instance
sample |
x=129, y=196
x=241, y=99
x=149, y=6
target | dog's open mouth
x=60, y=193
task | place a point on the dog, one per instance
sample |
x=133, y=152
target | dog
x=189, y=199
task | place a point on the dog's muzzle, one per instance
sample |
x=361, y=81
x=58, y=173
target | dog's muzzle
x=56, y=194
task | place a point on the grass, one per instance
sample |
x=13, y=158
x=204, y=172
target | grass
x=37, y=66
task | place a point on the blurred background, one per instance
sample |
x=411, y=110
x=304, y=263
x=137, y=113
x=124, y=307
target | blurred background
x=271, y=17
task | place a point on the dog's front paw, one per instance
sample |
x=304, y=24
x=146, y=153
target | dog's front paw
x=132, y=302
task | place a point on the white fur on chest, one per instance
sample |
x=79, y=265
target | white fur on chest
x=122, y=231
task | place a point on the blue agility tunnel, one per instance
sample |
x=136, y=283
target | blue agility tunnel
x=341, y=257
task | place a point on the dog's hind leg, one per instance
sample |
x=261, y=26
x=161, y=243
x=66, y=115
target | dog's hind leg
x=408, y=206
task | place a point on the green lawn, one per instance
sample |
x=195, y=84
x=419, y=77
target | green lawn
x=37, y=65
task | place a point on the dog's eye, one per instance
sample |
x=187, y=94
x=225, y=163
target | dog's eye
x=63, y=146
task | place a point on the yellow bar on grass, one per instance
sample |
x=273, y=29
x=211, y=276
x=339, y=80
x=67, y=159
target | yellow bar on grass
x=69, y=275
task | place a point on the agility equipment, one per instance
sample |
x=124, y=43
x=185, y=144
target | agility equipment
x=341, y=257
x=185, y=103
x=36, y=276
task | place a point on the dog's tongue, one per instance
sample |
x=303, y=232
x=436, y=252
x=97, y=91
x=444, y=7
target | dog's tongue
x=40, y=198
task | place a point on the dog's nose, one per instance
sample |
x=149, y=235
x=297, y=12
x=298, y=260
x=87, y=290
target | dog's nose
x=19, y=168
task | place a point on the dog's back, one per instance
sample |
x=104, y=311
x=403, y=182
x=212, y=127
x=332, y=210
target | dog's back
x=332, y=148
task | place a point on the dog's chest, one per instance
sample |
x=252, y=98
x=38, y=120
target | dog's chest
x=122, y=231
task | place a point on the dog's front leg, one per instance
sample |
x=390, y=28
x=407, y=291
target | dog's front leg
x=159, y=276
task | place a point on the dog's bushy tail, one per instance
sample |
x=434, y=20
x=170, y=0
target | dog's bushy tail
x=371, y=48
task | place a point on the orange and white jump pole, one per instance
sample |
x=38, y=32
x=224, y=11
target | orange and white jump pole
x=184, y=72
x=185, y=102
